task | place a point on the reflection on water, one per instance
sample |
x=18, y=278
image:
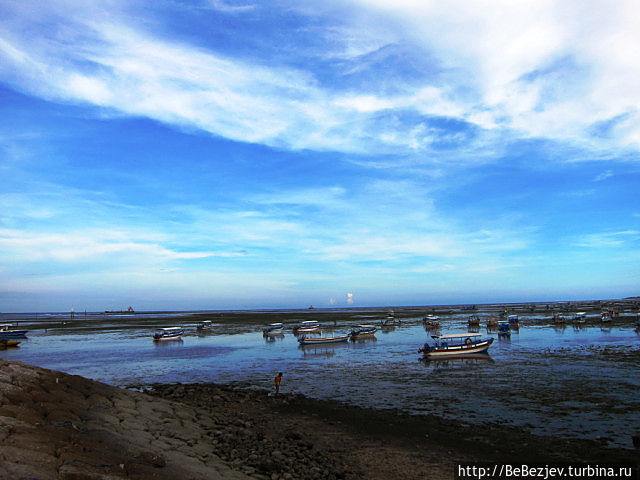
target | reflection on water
x=457, y=361
x=320, y=350
x=359, y=342
x=173, y=342
x=273, y=337
x=525, y=379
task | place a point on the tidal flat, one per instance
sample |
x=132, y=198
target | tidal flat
x=571, y=381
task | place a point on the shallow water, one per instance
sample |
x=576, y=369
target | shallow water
x=580, y=382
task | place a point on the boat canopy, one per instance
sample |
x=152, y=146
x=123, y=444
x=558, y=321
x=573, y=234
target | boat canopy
x=275, y=324
x=309, y=322
x=457, y=335
x=170, y=329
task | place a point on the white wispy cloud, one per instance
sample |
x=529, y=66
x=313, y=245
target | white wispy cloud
x=93, y=245
x=609, y=239
x=540, y=67
x=603, y=176
x=532, y=68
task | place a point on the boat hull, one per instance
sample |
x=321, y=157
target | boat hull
x=456, y=350
x=363, y=332
x=357, y=336
x=14, y=334
x=273, y=332
x=5, y=343
x=303, y=330
x=167, y=337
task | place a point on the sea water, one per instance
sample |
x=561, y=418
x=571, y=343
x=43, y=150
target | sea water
x=571, y=381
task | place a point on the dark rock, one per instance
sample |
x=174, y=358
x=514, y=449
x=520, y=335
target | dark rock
x=151, y=458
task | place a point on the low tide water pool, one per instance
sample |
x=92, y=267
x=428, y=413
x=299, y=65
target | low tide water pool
x=570, y=381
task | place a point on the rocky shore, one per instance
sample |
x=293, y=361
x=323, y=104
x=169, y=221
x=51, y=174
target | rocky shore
x=59, y=426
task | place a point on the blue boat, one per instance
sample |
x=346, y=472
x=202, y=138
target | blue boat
x=5, y=332
x=170, y=333
x=204, y=325
x=456, y=344
x=504, y=329
x=273, y=329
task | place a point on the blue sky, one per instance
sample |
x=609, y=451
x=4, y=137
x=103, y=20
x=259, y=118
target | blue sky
x=223, y=154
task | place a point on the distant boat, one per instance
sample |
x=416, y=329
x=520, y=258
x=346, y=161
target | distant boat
x=558, y=319
x=307, y=326
x=456, y=344
x=5, y=332
x=273, y=329
x=580, y=317
x=304, y=340
x=169, y=333
x=513, y=321
x=431, y=321
x=606, y=317
x=119, y=312
x=474, y=321
x=363, y=331
x=504, y=329
x=204, y=325
x=390, y=320
x=492, y=322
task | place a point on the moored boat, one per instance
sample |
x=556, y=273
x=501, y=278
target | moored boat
x=504, y=329
x=169, y=333
x=6, y=332
x=204, y=325
x=579, y=317
x=6, y=343
x=308, y=326
x=558, y=319
x=273, y=329
x=363, y=331
x=456, y=344
x=304, y=340
x=431, y=321
x=514, y=322
x=474, y=321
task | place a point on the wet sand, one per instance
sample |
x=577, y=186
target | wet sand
x=59, y=426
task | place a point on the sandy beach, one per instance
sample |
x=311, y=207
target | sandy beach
x=59, y=426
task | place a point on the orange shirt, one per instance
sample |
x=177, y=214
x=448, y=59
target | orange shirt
x=277, y=380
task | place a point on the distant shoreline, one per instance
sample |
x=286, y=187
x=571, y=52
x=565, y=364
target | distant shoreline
x=626, y=302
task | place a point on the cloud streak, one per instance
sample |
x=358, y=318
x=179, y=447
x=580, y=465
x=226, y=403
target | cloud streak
x=553, y=77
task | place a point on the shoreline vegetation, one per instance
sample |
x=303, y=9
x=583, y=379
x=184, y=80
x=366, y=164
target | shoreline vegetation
x=59, y=426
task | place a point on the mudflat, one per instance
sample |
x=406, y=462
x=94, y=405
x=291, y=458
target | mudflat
x=59, y=426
